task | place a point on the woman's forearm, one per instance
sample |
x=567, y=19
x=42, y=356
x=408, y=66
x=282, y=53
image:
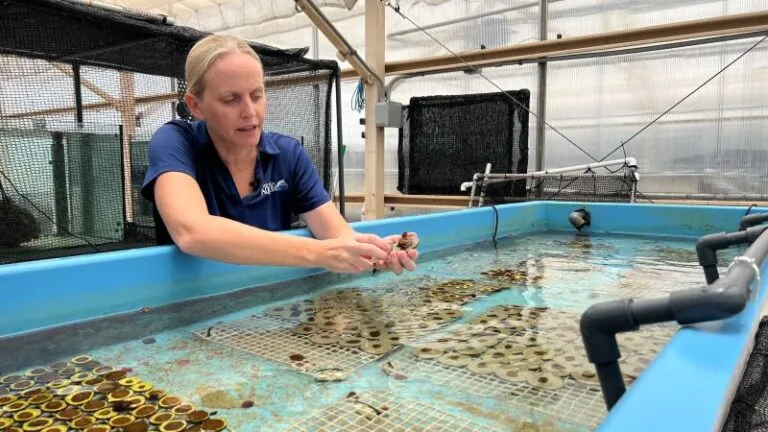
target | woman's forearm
x=326, y=222
x=225, y=240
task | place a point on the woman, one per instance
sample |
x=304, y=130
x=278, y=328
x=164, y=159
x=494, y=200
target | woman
x=222, y=186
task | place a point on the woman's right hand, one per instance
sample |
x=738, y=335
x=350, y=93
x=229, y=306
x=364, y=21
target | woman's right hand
x=352, y=254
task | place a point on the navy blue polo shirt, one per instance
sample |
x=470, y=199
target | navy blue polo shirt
x=287, y=180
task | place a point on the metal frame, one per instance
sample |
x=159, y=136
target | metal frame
x=345, y=50
x=487, y=177
x=541, y=99
x=649, y=38
x=371, y=70
x=339, y=144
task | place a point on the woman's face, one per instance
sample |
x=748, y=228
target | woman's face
x=233, y=102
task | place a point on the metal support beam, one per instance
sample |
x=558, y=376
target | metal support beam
x=601, y=44
x=315, y=43
x=78, y=92
x=127, y=110
x=541, y=107
x=84, y=159
x=340, y=145
x=373, y=207
x=60, y=195
x=345, y=50
x=691, y=33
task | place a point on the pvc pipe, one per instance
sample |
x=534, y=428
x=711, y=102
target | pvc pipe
x=133, y=13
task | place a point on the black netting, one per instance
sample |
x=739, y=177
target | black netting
x=446, y=139
x=314, y=130
x=65, y=31
x=749, y=409
x=594, y=185
x=314, y=89
x=81, y=92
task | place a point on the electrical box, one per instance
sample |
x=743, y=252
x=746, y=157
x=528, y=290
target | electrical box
x=389, y=114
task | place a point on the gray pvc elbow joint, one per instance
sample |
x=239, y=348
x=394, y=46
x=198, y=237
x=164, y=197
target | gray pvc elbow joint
x=751, y=220
x=706, y=247
x=599, y=325
x=714, y=302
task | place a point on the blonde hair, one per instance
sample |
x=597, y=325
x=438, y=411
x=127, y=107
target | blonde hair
x=205, y=53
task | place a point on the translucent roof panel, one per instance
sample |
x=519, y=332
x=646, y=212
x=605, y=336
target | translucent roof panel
x=227, y=15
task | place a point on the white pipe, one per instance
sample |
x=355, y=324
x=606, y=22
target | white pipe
x=515, y=177
x=485, y=185
x=134, y=13
x=501, y=178
x=628, y=161
x=474, y=184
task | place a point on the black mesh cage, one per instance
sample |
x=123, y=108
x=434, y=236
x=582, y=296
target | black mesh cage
x=446, y=139
x=82, y=90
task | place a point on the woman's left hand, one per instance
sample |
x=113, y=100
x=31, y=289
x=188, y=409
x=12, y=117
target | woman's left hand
x=399, y=260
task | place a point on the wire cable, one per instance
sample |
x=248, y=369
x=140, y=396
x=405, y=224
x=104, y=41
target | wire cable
x=476, y=70
x=358, y=97
x=621, y=146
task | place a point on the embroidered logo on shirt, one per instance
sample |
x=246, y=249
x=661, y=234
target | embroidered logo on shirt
x=269, y=187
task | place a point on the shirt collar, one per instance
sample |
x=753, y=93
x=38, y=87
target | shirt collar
x=266, y=145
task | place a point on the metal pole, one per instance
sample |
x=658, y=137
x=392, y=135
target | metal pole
x=78, y=92
x=128, y=227
x=315, y=43
x=60, y=198
x=345, y=50
x=339, y=142
x=85, y=159
x=133, y=13
x=542, y=97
